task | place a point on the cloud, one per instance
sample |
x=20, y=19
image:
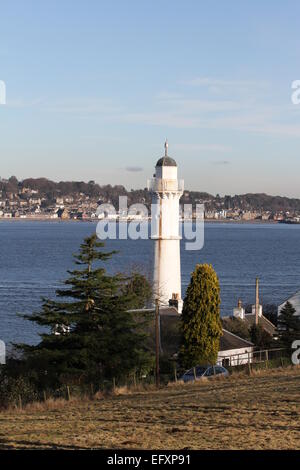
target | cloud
x=222, y=84
x=20, y=103
x=243, y=116
x=84, y=106
x=244, y=106
x=195, y=105
x=134, y=169
x=221, y=162
x=74, y=106
x=203, y=147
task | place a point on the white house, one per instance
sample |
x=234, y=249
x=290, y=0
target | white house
x=234, y=350
x=294, y=300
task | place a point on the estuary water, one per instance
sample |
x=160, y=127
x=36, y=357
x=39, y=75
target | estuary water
x=35, y=256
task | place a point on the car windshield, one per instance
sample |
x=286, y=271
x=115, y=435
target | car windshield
x=200, y=370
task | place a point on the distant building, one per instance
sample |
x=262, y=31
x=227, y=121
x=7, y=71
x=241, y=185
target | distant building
x=81, y=215
x=34, y=201
x=63, y=213
x=249, y=215
x=233, y=214
x=68, y=199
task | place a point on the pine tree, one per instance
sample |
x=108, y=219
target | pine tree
x=200, y=323
x=140, y=289
x=92, y=335
x=288, y=326
x=260, y=337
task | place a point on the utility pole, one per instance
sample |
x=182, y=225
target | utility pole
x=256, y=301
x=157, y=343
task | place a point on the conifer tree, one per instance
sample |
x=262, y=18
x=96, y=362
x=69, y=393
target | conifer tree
x=260, y=337
x=91, y=333
x=200, y=323
x=288, y=326
x=140, y=289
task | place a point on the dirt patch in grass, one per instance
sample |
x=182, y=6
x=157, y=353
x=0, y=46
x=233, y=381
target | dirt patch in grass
x=240, y=412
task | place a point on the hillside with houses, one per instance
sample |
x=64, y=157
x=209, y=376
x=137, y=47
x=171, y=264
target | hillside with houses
x=43, y=198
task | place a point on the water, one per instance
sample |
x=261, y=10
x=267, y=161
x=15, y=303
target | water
x=35, y=256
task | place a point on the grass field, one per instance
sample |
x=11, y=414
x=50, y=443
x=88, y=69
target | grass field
x=240, y=412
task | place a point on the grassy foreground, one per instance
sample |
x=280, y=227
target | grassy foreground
x=240, y=412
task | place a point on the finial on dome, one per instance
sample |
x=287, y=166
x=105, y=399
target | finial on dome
x=166, y=160
x=166, y=147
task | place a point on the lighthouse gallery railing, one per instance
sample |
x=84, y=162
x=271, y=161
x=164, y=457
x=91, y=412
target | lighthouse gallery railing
x=161, y=184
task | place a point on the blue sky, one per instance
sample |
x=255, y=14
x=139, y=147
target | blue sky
x=95, y=87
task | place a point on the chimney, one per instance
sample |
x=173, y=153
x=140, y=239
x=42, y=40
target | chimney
x=239, y=311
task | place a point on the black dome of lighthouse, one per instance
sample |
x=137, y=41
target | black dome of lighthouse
x=166, y=160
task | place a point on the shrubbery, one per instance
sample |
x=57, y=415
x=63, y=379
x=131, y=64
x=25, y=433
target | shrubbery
x=16, y=391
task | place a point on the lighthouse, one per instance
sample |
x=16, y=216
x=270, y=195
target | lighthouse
x=166, y=191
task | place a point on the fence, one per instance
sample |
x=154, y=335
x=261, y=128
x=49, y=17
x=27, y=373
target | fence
x=252, y=357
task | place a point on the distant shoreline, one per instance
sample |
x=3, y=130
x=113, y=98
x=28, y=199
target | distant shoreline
x=207, y=221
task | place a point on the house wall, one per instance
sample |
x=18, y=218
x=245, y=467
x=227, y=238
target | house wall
x=235, y=357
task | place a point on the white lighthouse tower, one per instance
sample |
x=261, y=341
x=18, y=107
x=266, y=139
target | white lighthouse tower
x=166, y=191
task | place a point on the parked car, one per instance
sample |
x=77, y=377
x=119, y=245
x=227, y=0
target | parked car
x=204, y=371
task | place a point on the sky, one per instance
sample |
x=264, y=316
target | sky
x=93, y=89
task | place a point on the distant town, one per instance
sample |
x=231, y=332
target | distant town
x=40, y=198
